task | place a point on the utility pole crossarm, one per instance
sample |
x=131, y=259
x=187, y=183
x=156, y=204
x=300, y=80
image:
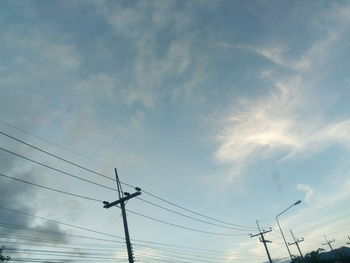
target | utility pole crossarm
x=263, y=232
x=108, y=205
x=296, y=243
x=328, y=242
x=123, y=197
x=263, y=240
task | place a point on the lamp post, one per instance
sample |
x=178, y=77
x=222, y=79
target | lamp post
x=285, y=242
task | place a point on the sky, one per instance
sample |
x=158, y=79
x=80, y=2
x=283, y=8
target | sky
x=233, y=110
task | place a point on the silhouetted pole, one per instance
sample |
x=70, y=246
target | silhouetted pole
x=122, y=198
x=262, y=239
x=296, y=242
x=278, y=223
x=328, y=242
x=348, y=242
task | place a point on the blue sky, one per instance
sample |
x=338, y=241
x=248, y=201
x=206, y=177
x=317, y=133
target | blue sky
x=235, y=109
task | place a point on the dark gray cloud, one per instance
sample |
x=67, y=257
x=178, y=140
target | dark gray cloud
x=13, y=195
x=50, y=231
x=21, y=197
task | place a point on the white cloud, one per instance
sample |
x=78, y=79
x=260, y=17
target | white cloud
x=35, y=48
x=308, y=191
x=96, y=87
x=151, y=72
x=156, y=62
x=290, y=120
x=267, y=125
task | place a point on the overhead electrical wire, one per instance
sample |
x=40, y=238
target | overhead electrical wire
x=138, y=252
x=48, y=243
x=130, y=211
x=56, y=252
x=55, y=144
x=113, y=189
x=183, y=227
x=59, y=253
x=129, y=185
x=149, y=202
x=187, y=216
x=32, y=229
x=55, y=169
x=59, y=222
x=89, y=229
x=193, y=212
x=91, y=248
x=60, y=260
x=51, y=189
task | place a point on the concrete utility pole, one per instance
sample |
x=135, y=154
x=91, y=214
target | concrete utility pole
x=262, y=239
x=296, y=242
x=328, y=242
x=123, y=197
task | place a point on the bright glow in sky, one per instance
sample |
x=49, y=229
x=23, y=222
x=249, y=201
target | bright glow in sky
x=233, y=109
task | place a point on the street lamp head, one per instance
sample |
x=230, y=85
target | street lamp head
x=298, y=202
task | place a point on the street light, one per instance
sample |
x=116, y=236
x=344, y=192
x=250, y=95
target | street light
x=285, y=242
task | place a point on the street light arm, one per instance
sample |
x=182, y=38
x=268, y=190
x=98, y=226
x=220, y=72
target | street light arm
x=296, y=203
x=284, y=239
x=284, y=211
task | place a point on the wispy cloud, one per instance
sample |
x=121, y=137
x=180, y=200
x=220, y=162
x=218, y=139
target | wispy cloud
x=290, y=120
x=308, y=191
x=155, y=62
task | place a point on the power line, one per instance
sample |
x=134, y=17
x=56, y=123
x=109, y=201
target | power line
x=100, y=174
x=98, y=232
x=93, y=255
x=187, y=216
x=56, y=241
x=55, y=144
x=46, y=241
x=57, y=253
x=59, y=260
x=183, y=252
x=107, y=187
x=58, y=222
x=130, y=211
x=91, y=248
x=197, y=256
x=193, y=212
x=55, y=169
x=183, y=227
x=33, y=229
x=52, y=189
x=168, y=251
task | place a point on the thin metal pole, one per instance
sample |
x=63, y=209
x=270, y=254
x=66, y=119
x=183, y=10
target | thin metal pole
x=284, y=239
